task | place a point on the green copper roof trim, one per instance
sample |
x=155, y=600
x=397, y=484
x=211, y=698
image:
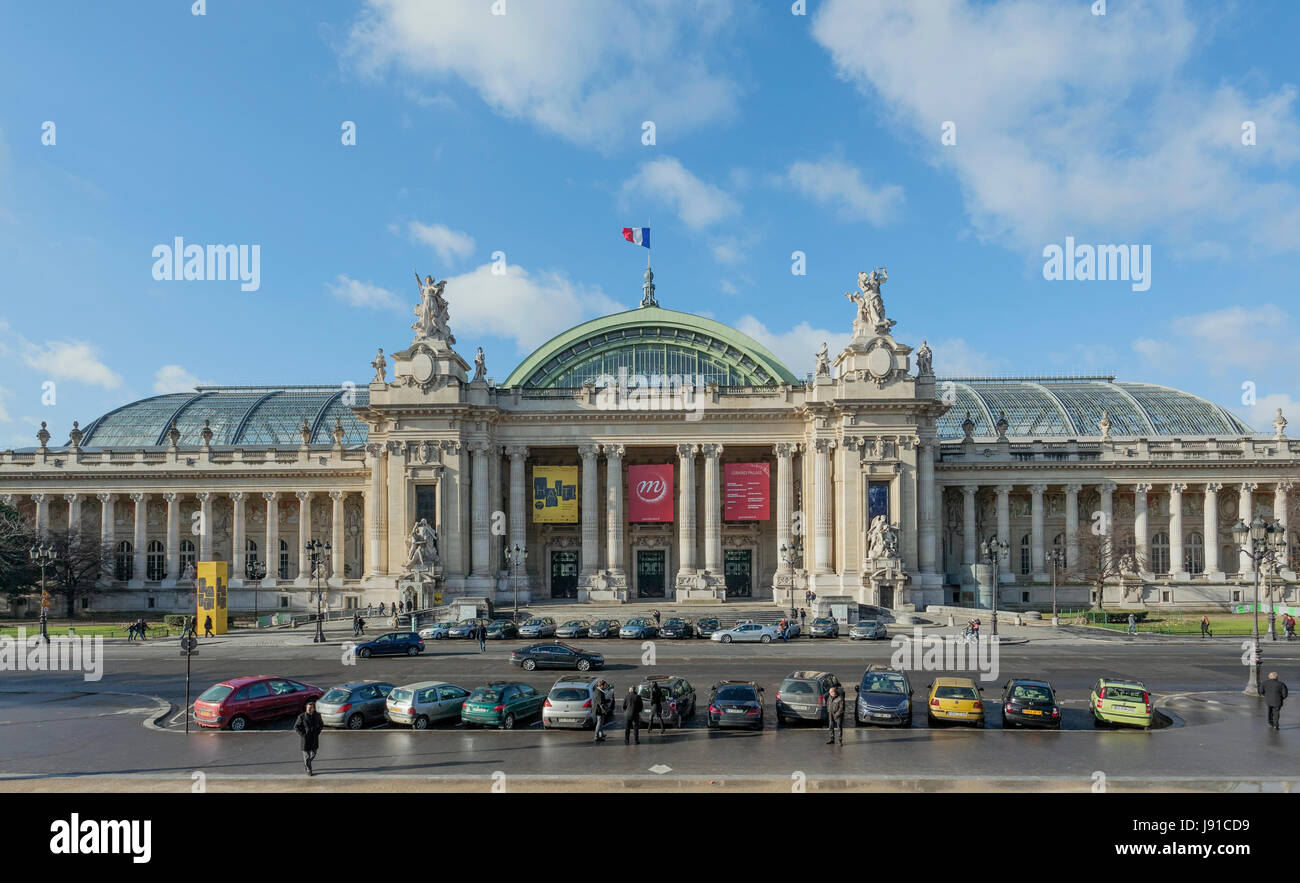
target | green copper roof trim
x=659, y=318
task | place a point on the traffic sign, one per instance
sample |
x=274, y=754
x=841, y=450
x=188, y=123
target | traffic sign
x=45, y=600
x=189, y=643
x=189, y=653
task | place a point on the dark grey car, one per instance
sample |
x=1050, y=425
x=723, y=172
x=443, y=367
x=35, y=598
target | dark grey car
x=354, y=705
x=824, y=627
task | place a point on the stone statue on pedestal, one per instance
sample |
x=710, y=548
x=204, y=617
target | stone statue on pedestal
x=421, y=547
x=871, y=305
x=823, y=361
x=432, y=313
x=924, y=357
x=380, y=364
x=480, y=366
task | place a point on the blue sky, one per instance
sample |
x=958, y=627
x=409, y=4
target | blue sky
x=522, y=133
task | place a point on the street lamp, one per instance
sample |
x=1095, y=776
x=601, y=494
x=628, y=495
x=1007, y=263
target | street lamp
x=993, y=551
x=1057, y=558
x=516, y=557
x=44, y=556
x=318, y=553
x=1267, y=547
x=255, y=570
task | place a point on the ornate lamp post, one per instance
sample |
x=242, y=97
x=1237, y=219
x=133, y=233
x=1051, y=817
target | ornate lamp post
x=516, y=557
x=318, y=553
x=1057, y=559
x=1265, y=544
x=44, y=556
x=256, y=571
x=993, y=551
x=787, y=560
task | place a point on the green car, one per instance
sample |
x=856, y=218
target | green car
x=1116, y=701
x=501, y=705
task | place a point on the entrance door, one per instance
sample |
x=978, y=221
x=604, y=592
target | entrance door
x=650, y=567
x=738, y=568
x=564, y=574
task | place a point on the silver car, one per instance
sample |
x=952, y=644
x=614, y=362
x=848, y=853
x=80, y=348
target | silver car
x=748, y=631
x=438, y=631
x=354, y=705
x=868, y=630
x=420, y=704
x=538, y=627
x=570, y=703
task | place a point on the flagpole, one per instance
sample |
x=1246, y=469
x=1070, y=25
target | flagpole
x=647, y=251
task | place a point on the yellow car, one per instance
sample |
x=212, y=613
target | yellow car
x=955, y=700
x=1117, y=701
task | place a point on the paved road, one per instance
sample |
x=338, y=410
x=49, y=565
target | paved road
x=60, y=731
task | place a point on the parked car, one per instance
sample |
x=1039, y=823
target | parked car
x=437, y=631
x=736, y=704
x=868, y=630
x=466, y=628
x=570, y=703
x=748, y=631
x=391, y=644
x=554, y=654
x=574, y=628
x=236, y=703
x=640, y=628
x=354, y=705
x=604, y=628
x=501, y=705
x=706, y=627
x=1120, y=701
x=677, y=628
x=420, y=704
x=883, y=697
x=824, y=627
x=538, y=627
x=803, y=696
x=500, y=629
x=1029, y=703
x=792, y=629
x=955, y=700
x=678, y=698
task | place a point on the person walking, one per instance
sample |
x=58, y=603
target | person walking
x=193, y=626
x=356, y=624
x=657, y=709
x=1132, y=624
x=1275, y=693
x=308, y=726
x=361, y=623
x=783, y=626
x=803, y=617
x=1288, y=624
x=656, y=613
x=381, y=608
x=835, y=716
x=1205, y=627
x=598, y=710
x=130, y=631
x=141, y=628
x=207, y=627
x=481, y=634
x=633, y=705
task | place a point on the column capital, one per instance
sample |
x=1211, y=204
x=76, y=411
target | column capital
x=1107, y=487
x=1213, y=487
x=73, y=498
x=1248, y=487
x=270, y=496
x=171, y=497
x=1177, y=487
x=137, y=497
x=711, y=451
x=395, y=448
x=203, y=497
x=613, y=451
x=1073, y=487
x=589, y=451
x=823, y=445
x=334, y=495
x=1038, y=488
x=303, y=496
x=852, y=443
x=238, y=496
x=517, y=452
x=375, y=449
x=1142, y=487
x=786, y=449
x=1004, y=489
x=1283, y=486
x=450, y=446
x=106, y=498
x=687, y=451
x=969, y=488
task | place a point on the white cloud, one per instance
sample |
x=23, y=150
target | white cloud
x=1261, y=415
x=955, y=357
x=363, y=294
x=5, y=416
x=665, y=181
x=74, y=360
x=796, y=347
x=174, y=378
x=834, y=183
x=450, y=245
x=1044, y=98
x=589, y=72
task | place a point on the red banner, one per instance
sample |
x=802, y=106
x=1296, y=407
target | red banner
x=746, y=494
x=650, y=493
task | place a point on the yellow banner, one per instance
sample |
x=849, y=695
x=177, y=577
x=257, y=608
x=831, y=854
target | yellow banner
x=210, y=586
x=555, y=494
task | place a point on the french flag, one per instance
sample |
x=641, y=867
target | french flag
x=637, y=235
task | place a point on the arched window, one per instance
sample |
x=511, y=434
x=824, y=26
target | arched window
x=188, y=558
x=1058, y=545
x=156, y=561
x=124, y=562
x=1026, y=559
x=1159, y=554
x=250, y=552
x=1194, y=553
x=284, y=560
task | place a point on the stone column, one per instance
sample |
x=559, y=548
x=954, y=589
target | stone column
x=42, y=502
x=784, y=500
x=496, y=535
x=614, y=513
x=1245, y=511
x=74, y=512
x=1037, y=559
x=107, y=527
x=1107, y=491
x=337, y=539
x=850, y=511
x=205, y=526
x=1142, y=527
x=518, y=536
x=480, y=516
x=925, y=498
x=376, y=503
x=1279, y=501
x=712, y=510
x=238, y=541
x=590, y=512
x=304, y=535
x=1176, y=568
x=1211, y=529
x=822, y=523
x=969, y=546
x=1072, y=525
x=140, y=539
x=173, y=538
x=686, y=512
x=398, y=520
x=1004, y=528
x=272, y=556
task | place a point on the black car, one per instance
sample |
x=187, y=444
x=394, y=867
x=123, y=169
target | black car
x=884, y=697
x=677, y=628
x=678, y=698
x=604, y=628
x=500, y=629
x=553, y=654
x=1028, y=703
x=736, y=704
x=706, y=627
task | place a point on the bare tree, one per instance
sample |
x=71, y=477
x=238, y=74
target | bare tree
x=80, y=561
x=1100, y=561
x=17, y=534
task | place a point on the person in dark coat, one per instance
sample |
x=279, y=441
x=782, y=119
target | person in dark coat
x=142, y=628
x=207, y=627
x=835, y=716
x=1205, y=627
x=656, y=709
x=356, y=624
x=1275, y=693
x=598, y=710
x=803, y=617
x=633, y=705
x=193, y=627
x=308, y=726
x=481, y=634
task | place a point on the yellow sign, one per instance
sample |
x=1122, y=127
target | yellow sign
x=45, y=599
x=210, y=586
x=437, y=597
x=555, y=494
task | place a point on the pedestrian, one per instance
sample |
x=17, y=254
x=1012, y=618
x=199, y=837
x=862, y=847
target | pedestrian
x=1274, y=692
x=361, y=623
x=609, y=701
x=1205, y=627
x=130, y=632
x=308, y=727
x=803, y=617
x=370, y=609
x=207, y=627
x=410, y=605
x=632, y=708
x=1132, y=624
x=598, y=710
x=481, y=634
x=381, y=608
x=193, y=626
x=656, y=613
x=141, y=628
x=835, y=716
x=356, y=624
x=783, y=626
x=1288, y=622
x=657, y=708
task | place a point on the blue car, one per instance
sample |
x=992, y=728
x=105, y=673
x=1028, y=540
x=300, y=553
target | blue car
x=392, y=644
x=639, y=628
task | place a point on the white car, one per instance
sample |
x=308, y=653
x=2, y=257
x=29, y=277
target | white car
x=748, y=631
x=437, y=631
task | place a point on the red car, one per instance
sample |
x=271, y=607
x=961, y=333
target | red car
x=233, y=704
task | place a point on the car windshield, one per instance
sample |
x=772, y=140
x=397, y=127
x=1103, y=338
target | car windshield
x=601, y=623
x=573, y=623
x=336, y=696
x=1031, y=693
x=867, y=623
x=399, y=695
x=217, y=693
x=956, y=693
x=822, y=621
x=882, y=684
x=485, y=694
x=496, y=626
x=635, y=622
x=674, y=622
x=789, y=685
x=568, y=694
x=1129, y=693
x=533, y=622
x=467, y=622
x=736, y=694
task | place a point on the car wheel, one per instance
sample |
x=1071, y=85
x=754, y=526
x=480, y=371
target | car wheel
x=421, y=723
x=907, y=721
x=726, y=639
x=1097, y=722
x=677, y=721
x=364, y=652
x=356, y=721
x=529, y=665
x=239, y=723
x=508, y=723
x=412, y=651
x=766, y=639
x=584, y=665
